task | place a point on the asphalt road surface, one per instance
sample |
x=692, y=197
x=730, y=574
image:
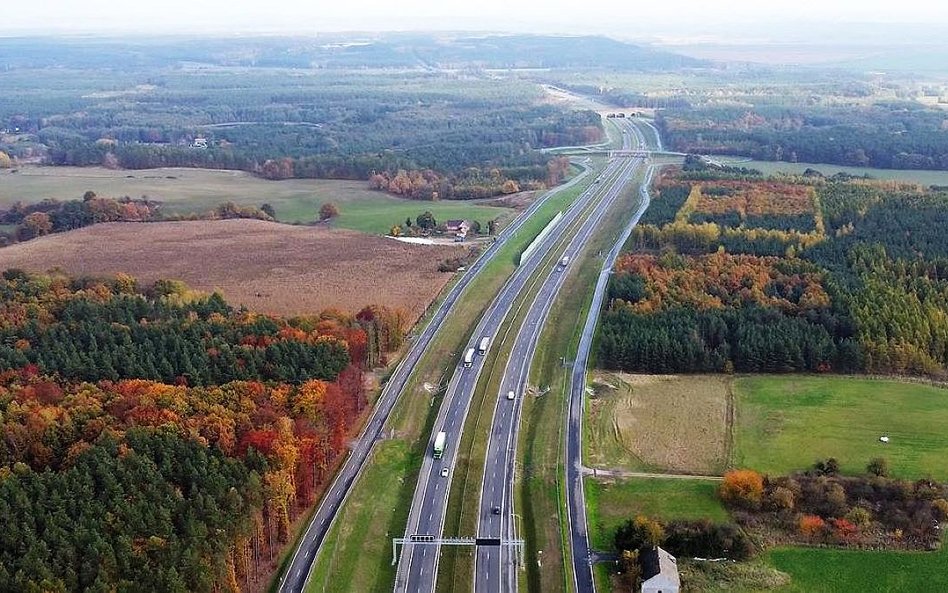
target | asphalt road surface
x=294, y=579
x=575, y=496
x=495, y=572
x=418, y=562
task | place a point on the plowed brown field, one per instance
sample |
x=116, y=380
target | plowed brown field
x=266, y=266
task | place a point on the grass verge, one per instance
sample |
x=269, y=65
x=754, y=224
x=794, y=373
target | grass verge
x=411, y=420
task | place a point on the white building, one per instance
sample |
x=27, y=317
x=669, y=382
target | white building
x=659, y=572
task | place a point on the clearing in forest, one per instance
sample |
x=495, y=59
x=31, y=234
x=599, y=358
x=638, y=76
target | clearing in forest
x=269, y=267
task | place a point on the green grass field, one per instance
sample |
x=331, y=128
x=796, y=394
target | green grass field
x=610, y=503
x=850, y=571
x=199, y=190
x=923, y=177
x=786, y=423
x=355, y=557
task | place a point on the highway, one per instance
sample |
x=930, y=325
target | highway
x=495, y=572
x=575, y=496
x=294, y=578
x=418, y=562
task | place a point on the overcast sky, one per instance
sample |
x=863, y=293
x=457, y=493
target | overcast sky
x=664, y=17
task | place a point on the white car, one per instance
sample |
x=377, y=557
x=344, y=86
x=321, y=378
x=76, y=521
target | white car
x=444, y=472
x=511, y=395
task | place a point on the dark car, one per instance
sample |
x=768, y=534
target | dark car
x=495, y=510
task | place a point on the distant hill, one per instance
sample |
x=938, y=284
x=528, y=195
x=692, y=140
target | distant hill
x=392, y=50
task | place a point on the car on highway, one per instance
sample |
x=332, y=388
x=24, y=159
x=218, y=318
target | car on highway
x=495, y=510
x=511, y=395
x=444, y=472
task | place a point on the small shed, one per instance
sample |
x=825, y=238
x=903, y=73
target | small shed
x=659, y=572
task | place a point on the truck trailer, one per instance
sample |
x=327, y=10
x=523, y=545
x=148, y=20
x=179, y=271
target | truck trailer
x=440, y=439
x=485, y=342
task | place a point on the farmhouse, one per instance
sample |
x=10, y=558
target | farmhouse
x=457, y=226
x=659, y=572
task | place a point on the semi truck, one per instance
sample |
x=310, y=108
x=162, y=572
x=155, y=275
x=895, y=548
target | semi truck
x=469, y=357
x=440, y=439
x=485, y=342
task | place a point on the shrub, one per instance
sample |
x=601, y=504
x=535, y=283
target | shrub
x=742, y=488
x=941, y=508
x=782, y=499
x=811, y=525
x=829, y=467
x=878, y=466
x=859, y=516
x=706, y=539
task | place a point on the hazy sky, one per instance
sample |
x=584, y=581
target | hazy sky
x=690, y=17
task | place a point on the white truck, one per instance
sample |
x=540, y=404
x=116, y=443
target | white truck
x=469, y=357
x=482, y=347
x=564, y=262
x=440, y=439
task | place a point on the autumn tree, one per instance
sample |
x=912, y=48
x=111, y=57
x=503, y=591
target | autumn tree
x=639, y=533
x=742, y=488
x=328, y=210
x=5, y=161
x=36, y=224
x=510, y=187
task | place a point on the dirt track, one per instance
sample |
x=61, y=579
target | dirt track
x=266, y=266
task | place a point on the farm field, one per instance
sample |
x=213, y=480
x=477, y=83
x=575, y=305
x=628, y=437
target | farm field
x=842, y=571
x=658, y=423
x=184, y=191
x=924, y=177
x=610, y=502
x=786, y=423
x=268, y=267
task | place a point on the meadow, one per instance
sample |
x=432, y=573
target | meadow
x=609, y=503
x=787, y=422
x=185, y=191
x=869, y=571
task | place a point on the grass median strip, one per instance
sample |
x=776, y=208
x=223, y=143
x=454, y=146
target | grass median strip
x=364, y=562
x=456, y=565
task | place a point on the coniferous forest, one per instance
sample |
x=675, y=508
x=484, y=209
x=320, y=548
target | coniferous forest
x=711, y=282
x=157, y=439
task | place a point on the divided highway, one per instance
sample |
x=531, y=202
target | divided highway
x=496, y=570
x=297, y=573
x=575, y=495
x=418, y=562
